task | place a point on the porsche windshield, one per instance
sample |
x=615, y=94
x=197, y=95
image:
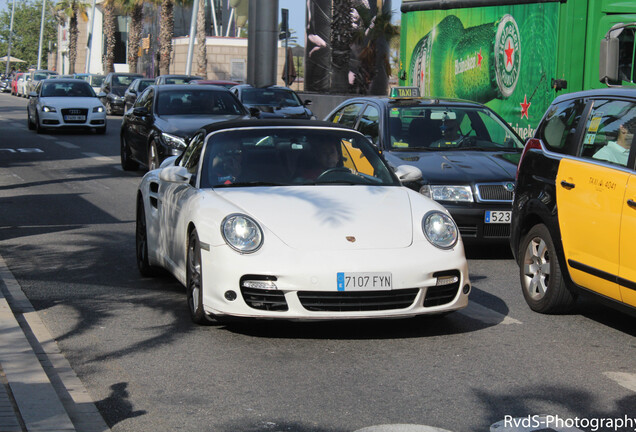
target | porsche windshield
x=281, y=156
x=448, y=128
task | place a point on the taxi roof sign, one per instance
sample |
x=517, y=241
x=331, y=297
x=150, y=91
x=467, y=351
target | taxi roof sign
x=404, y=92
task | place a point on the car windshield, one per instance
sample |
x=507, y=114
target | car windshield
x=143, y=84
x=179, y=80
x=448, y=128
x=67, y=89
x=270, y=97
x=123, y=80
x=198, y=101
x=42, y=75
x=286, y=156
x=96, y=80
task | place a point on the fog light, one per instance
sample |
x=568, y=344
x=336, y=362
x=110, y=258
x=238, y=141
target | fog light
x=446, y=280
x=259, y=284
x=466, y=289
x=230, y=295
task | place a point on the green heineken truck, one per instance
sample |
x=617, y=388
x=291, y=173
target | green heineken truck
x=516, y=56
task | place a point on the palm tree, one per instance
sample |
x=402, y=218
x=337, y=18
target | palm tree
x=134, y=9
x=71, y=10
x=110, y=28
x=202, y=54
x=166, y=32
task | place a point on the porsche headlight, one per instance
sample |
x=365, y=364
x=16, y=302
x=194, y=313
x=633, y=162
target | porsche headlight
x=455, y=193
x=48, y=109
x=98, y=109
x=173, y=141
x=242, y=233
x=440, y=229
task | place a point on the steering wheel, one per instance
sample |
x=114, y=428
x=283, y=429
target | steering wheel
x=333, y=170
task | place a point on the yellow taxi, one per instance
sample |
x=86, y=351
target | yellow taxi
x=573, y=226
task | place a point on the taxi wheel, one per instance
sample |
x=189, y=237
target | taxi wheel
x=542, y=282
x=194, y=280
x=141, y=243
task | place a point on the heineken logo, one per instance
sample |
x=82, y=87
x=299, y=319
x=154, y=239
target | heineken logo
x=507, y=55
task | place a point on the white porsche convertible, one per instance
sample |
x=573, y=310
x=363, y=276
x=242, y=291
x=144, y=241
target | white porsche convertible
x=299, y=220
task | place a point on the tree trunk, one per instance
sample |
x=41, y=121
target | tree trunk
x=72, y=41
x=166, y=32
x=134, y=36
x=202, y=56
x=110, y=27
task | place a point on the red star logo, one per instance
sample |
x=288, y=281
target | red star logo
x=524, y=106
x=479, y=57
x=509, y=51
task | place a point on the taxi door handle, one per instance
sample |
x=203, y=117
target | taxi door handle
x=567, y=185
x=631, y=203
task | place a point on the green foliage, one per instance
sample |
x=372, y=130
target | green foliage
x=26, y=32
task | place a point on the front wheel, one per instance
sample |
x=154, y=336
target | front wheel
x=29, y=122
x=141, y=243
x=542, y=282
x=127, y=163
x=194, y=280
x=109, y=108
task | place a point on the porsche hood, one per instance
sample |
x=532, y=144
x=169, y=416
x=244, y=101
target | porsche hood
x=329, y=217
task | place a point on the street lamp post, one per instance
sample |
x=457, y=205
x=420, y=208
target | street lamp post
x=89, y=44
x=10, y=37
x=41, y=35
x=193, y=31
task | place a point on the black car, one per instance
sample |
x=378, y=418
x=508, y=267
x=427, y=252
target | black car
x=134, y=89
x=574, y=212
x=114, y=86
x=467, y=153
x=273, y=102
x=176, y=79
x=163, y=119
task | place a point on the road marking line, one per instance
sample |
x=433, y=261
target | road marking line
x=48, y=137
x=67, y=145
x=97, y=156
x=487, y=315
x=623, y=379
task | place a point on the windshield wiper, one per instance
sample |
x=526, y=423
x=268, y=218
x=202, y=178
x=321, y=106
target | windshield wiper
x=249, y=184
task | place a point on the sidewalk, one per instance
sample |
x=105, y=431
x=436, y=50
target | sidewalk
x=39, y=391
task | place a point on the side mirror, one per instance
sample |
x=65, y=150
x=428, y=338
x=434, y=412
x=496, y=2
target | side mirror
x=608, y=60
x=254, y=112
x=408, y=173
x=140, y=111
x=33, y=94
x=307, y=102
x=174, y=174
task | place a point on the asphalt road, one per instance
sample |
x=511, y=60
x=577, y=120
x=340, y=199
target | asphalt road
x=67, y=235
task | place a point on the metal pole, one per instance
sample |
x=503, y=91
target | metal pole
x=41, y=35
x=214, y=23
x=193, y=30
x=89, y=44
x=10, y=35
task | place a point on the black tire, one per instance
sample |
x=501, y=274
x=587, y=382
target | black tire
x=109, y=109
x=153, y=156
x=29, y=122
x=127, y=163
x=141, y=243
x=542, y=282
x=194, y=280
x=38, y=128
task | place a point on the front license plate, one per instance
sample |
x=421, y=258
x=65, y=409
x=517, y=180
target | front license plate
x=364, y=281
x=75, y=118
x=500, y=217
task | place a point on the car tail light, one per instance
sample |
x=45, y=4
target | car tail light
x=531, y=144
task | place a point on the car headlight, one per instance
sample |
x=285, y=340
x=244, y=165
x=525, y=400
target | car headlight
x=242, y=233
x=173, y=141
x=48, y=109
x=98, y=109
x=448, y=193
x=440, y=230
